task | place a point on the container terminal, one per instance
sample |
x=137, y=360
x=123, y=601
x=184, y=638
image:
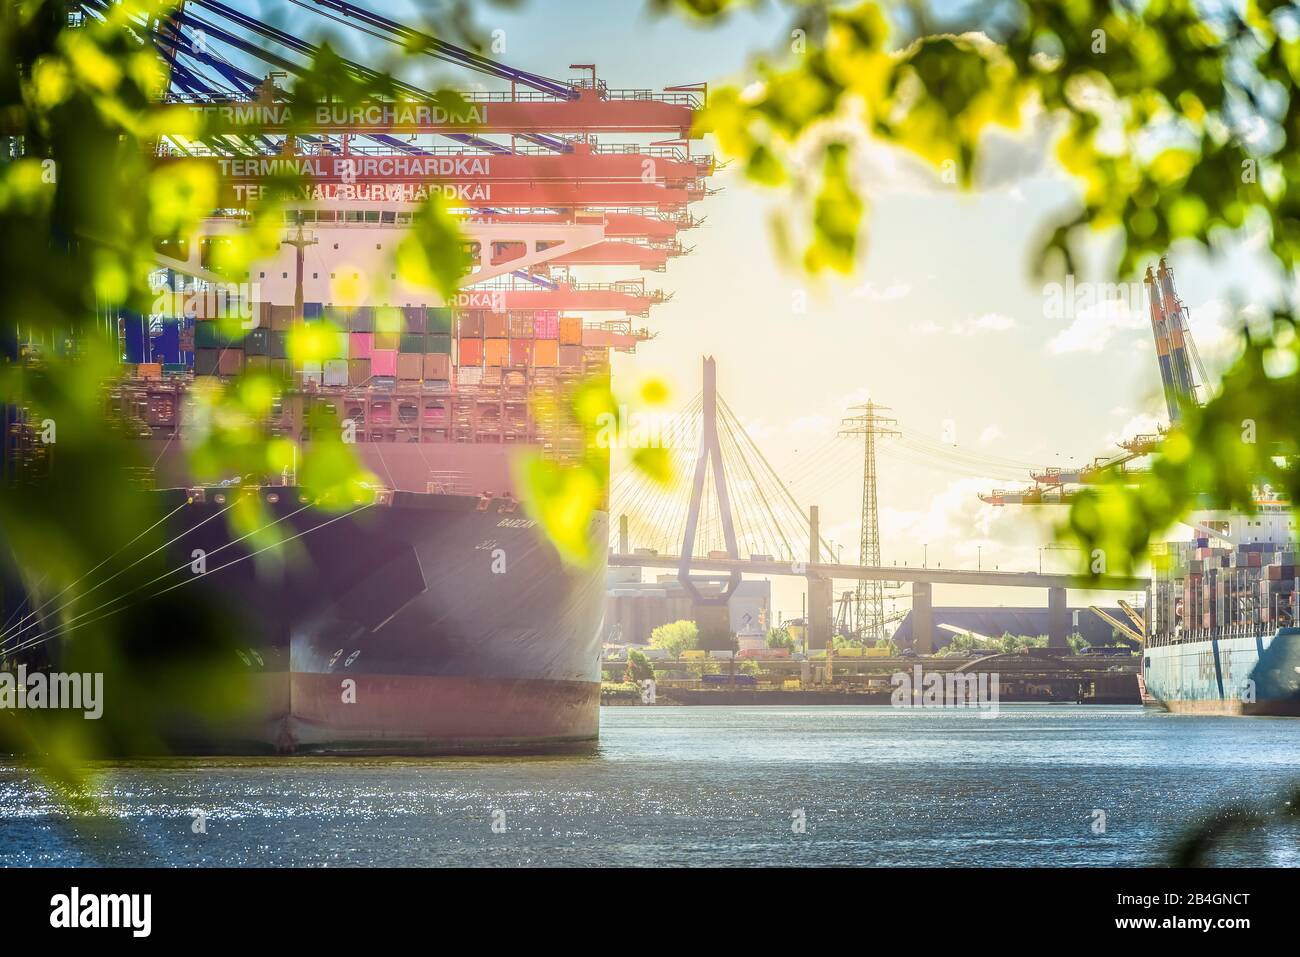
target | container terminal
x=439, y=392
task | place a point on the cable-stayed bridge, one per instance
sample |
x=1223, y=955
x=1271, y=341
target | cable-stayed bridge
x=725, y=512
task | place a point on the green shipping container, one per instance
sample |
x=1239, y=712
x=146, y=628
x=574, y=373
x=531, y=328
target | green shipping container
x=439, y=344
x=412, y=342
x=361, y=319
x=206, y=361
x=438, y=321
x=208, y=335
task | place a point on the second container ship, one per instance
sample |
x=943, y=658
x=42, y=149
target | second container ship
x=1223, y=629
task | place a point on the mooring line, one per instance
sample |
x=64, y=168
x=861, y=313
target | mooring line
x=62, y=630
x=18, y=610
x=6, y=631
x=173, y=571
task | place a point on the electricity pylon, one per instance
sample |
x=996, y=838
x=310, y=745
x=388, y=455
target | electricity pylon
x=869, y=604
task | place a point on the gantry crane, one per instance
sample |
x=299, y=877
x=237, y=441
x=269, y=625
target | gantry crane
x=1176, y=356
x=548, y=198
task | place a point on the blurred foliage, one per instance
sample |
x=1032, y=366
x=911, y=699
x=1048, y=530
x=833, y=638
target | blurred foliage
x=84, y=204
x=1179, y=122
x=1176, y=121
x=1175, y=118
x=95, y=178
x=564, y=495
x=1277, y=821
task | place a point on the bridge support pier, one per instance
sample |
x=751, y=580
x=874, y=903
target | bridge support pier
x=1057, y=619
x=820, y=618
x=922, y=618
x=820, y=624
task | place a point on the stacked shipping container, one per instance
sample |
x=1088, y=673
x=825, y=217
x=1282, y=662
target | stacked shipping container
x=415, y=373
x=1204, y=591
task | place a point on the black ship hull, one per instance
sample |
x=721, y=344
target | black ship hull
x=413, y=624
x=423, y=624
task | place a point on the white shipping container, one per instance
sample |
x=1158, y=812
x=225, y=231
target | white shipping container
x=336, y=372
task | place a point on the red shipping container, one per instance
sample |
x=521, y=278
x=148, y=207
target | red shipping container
x=521, y=327
x=437, y=366
x=231, y=362
x=383, y=362
x=410, y=366
x=471, y=352
x=496, y=325
x=360, y=345
x=470, y=324
x=521, y=352
x=570, y=356
x=358, y=371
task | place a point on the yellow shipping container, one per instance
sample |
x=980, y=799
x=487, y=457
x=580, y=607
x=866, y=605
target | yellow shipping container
x=791, y=684
x=875, y=652
x=570, y=331
x=546, y=353
x=496, y=351
x=849, y=653
x=694, y=654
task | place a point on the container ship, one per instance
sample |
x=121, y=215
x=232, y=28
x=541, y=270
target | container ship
x=1220, y=635
x=1223, y=636
x=434, y=616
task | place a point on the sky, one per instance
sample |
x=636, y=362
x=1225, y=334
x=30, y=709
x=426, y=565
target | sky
x=943, y=321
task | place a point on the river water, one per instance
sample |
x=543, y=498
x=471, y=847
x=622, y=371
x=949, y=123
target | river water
x=1038, y=785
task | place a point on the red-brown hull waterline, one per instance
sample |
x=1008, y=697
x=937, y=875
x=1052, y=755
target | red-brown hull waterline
x=410, y=715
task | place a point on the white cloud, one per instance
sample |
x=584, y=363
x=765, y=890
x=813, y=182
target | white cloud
x=1006, y=161
x=856, y=397
x=989, y=322
x=1094, y=326
x=957, y=525
x=809, y=424
x=1215, y=326
x=991, y=433
x=1144, y=423
x=891, y=292
x=757, y=429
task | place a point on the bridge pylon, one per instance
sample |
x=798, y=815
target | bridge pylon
x=709, y=454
